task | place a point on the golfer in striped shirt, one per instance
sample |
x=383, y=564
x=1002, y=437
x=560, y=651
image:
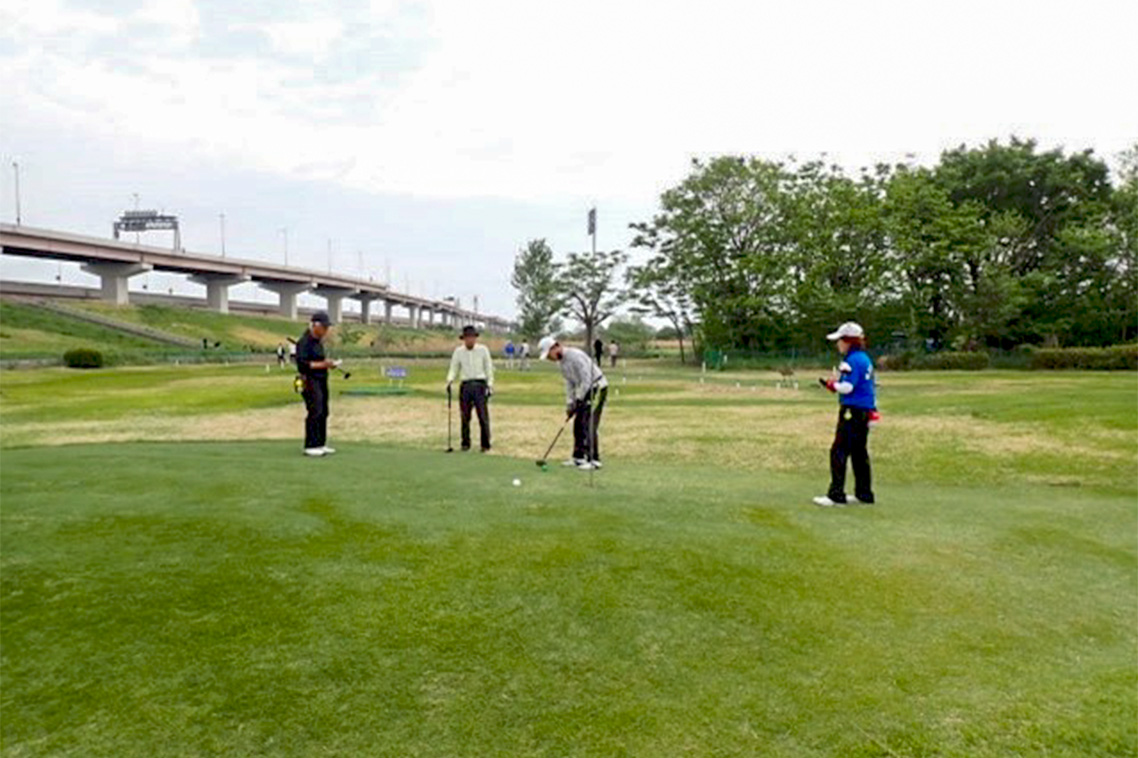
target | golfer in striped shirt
x=586, y=389
x=472, y=366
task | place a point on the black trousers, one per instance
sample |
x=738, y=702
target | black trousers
x=850, y=443
x=587, y=423
x=473, y=395
x=315, y=396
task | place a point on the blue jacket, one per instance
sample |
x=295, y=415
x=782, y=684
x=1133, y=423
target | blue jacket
x=855, y=385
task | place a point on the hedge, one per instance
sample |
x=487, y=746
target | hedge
x=909, y=361
x=954, y=362
x=1117, y=358
x=83, y=357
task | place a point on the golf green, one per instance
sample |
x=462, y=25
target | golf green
x=229, y=598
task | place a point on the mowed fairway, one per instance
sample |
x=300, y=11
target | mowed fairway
x=178, y=581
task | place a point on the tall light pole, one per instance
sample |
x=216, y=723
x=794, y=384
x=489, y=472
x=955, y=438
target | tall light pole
x=16, y=171
x=221, y=216
x=284, y=233
x=137, y=236
x=329, y=256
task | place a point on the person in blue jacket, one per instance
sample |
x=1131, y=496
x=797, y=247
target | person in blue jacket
x=857, y=409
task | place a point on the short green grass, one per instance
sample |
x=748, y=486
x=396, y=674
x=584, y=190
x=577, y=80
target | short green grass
x=232, y=598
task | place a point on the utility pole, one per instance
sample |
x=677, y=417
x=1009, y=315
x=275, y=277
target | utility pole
x=329, y=256
x=16, y=171
x=222, y=217
x=284, y=233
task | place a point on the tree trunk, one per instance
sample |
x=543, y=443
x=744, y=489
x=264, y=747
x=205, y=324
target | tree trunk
x=680, y=334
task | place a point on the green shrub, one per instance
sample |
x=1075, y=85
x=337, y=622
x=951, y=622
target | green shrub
x=896, y=361
x=1117, y=358
x=83, y=357
x=954, y=361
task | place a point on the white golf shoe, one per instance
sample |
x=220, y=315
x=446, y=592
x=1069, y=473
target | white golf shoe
x=328, y=450
x=588, y=465
x=575, y=462
x=314, y=452
x=825, y=502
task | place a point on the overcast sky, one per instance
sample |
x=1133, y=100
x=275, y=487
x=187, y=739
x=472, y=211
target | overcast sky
x=434, y=138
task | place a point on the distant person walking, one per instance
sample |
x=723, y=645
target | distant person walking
x=313, y=367
x=509, y=351
x=598, y=350
x=471, y=365
x=614, y=352
x=857, y=409
x=586, y=390
x=281, y=356
x=523, y=352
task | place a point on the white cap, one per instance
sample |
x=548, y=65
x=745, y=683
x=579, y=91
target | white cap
x=848, y=329
x=545, y=346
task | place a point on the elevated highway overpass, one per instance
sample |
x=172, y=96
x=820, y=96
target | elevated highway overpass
x=115, y=262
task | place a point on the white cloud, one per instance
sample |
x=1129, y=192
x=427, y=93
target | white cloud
x=584, y=99
x=311, y=38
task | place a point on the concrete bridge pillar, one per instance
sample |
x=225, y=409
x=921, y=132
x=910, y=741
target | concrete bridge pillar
x=114, y=278
x=287, y=292
x=334, y=299
x=366, y=299
x=217, y=289
x=388, y=306
x=413, y=315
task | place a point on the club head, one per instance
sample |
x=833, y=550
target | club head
x=450, y=449
x=540, y=464
x=347, y=374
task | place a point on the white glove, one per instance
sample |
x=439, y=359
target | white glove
x=336, y=363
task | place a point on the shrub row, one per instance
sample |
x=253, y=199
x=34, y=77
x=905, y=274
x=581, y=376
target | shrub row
x=1116, y=358
x=910, y=361
x=83, y=357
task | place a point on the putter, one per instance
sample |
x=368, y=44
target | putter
x=347, y=374
x=541, y=463
x=450, y=423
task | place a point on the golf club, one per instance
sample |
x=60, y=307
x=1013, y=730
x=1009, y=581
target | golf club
x=347, y=374
x=541, y=463
x=450, y=420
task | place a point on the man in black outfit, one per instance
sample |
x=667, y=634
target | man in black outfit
x=313, y=368
x=598, y=350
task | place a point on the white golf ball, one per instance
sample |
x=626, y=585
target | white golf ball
x=517, y=482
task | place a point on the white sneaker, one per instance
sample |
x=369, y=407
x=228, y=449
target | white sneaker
x=597, y=464
x=825, y=502
x=573, y=462
x=587, y=465
x=314, y=452
x=853, y=500
x=328, y=450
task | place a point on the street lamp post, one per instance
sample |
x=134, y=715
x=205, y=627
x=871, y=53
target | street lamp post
x=16, y=171
x=222, y=217
x=284, y=233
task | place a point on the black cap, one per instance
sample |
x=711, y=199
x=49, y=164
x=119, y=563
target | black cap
x=469, y=331
x=321, y=317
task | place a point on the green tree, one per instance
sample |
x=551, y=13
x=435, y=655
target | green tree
x=660, y=288
x=535, y=279
x=719, y=235
x=589, y=284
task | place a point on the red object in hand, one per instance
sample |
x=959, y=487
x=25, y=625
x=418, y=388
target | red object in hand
x=874, y=417
x=829, y=384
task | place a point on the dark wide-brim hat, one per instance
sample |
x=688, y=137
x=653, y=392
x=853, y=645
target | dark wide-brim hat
x=321, y=317
x=469, y=331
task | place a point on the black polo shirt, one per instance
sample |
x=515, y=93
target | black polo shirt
x=310, y=350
